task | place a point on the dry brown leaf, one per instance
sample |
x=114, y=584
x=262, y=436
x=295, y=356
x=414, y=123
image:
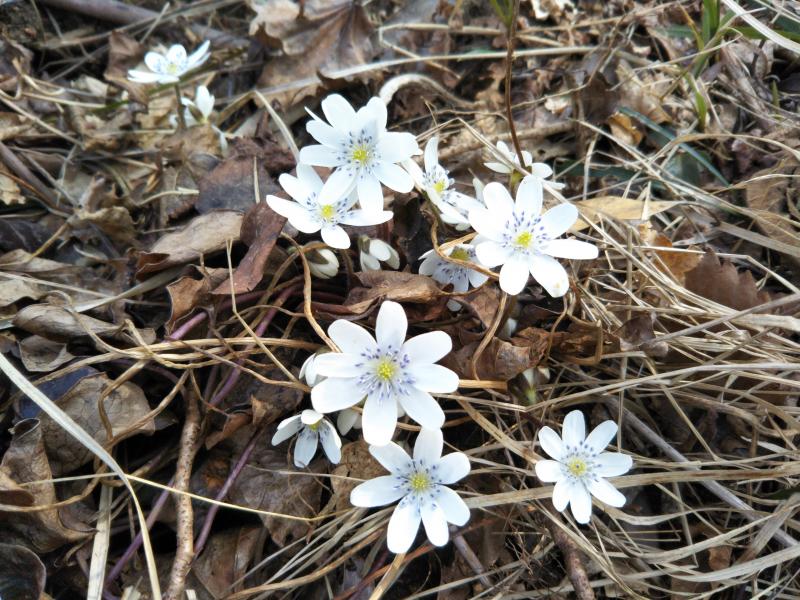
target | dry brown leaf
x=225, y=560
x=22, y=574
x=638, y=334
x=202, y=235
x=723, y=283
x=357, y=463
x=624, y=129
x=40, y=355
x=12, y=290
x=260, y=230
x=125, y=53
x=501, y=360
x=61, y=324
x=768, y=193
x=114, y=221
x=675, y=263
x=624, y=209
x=10, y=193
x=124, y=407
x=15, y=60
x=13, y=494
x=187, y=293
x=25, y=461
x=317, y=36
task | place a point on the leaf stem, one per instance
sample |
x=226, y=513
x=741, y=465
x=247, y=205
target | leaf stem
x=181, y=119
x=511, y=29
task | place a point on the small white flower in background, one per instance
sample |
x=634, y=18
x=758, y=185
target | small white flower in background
x=198, y=111
x=540, y=170
x=348, y=419
x=309, y=371
x=323, y=263
x=450, y=273
x=373, y=252
x=420, y=483
x=517, y=236
x=435, y=181
x=169, y=67
x=315, y=211
x=363, y=153
x=311, y=428
x=580, y=466
x=385, y=371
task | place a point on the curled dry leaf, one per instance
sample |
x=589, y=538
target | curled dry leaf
x=724, y=284
x=203, y=235
x=12, y=290
x=318, y=37
x=501, y=360
x=25, y=461
x=356, y=464
x=617, y=207
x=187, y=293
x=260, y=230
x=12, y=493
x=22, y=574
x=115, y=221
x=9, y=190
x=40, y=355
x=15, y=61
x=225, y=560
x=675, y=263
x=124, y=407
x=393, y=285
x=638, y=334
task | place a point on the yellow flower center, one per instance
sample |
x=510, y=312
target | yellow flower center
x=360, y=154
x=440, y=186
x=577, y=466
x=314, y=426
x=172, y=68
x=419, y=482
x=326, y=211
x=459, y=254
x=386, y=370
x=523, y=240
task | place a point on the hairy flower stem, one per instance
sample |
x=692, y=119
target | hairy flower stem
x=511, y=33
x=181, y=118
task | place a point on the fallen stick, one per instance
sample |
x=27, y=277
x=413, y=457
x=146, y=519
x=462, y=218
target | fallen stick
x=120, y=13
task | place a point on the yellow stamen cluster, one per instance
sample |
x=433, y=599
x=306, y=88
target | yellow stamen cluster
x=577, y=466
x=360, y=154
x=419, y=482
x=524, y=239
x=326, y=211
x=440, y=186
x=314, y=426
x=386, y=370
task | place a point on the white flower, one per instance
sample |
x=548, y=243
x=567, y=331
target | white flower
x=363, y=153
x=384, y=373
x=199, y=110
x=517, y=236
x=373, y=252
x=437, y=185
x=420, y=483
x=450, y=273
x=309, y=371
x=169, y=67
x=315, y=210
x=580, y=465
x=323, y=263
x=310, y=427
x=540, y=170
x=347, y=419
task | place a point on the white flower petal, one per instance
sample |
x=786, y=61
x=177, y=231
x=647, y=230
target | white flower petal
x=380, y=250
x=416, y=173
x=573, y=431
x=435, y=523
x=612, y=464
x=487, y=224
x=199, y=56
x=391, y=326
x=296, y=187
x=452, y=467
x=559, y=219
x=330, y=441
x=309, y=417
x=392, y=458
x=562, y=494
x=334, y=394
x=305, y=448
x=428, y=348
x=368, y=262
x=581, y=504
x=156, y=62
x=403, y=527
x=324, y=133
x=422, y=408
x=339, y=112
x=396, y=147
x=601, y=436
x=335, y=237
x=551, y=443
x=204, y=100
x=428, y=447
x=548, y=471
x=338, y=185
x=541, y=170
x=338, y=364
x=477, y=278
x=529, y=195
x=346, y=419
x=605, y=492
x=144, y=76
x=549, y=273
x=431, y=154
x=370, y=193
x=491, y=254
x=455, y=509
x=351, y=338
x=376, y=110
x=319, y=155
x=363, y=218
x=575, y=249
x=376, y=492
x=177, y=55
x=298, y=216
x=513, y=275
x=435, y=379
x=497, y=199
x=286, y=429
x=379, y=420
x=394, y=177
x=497, y=167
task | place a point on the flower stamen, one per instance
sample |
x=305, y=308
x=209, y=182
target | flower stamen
x=385, y=370
x=419, y=482
x=327, y=212
x=523, y=240
x=360, y=154
x=577, y=466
